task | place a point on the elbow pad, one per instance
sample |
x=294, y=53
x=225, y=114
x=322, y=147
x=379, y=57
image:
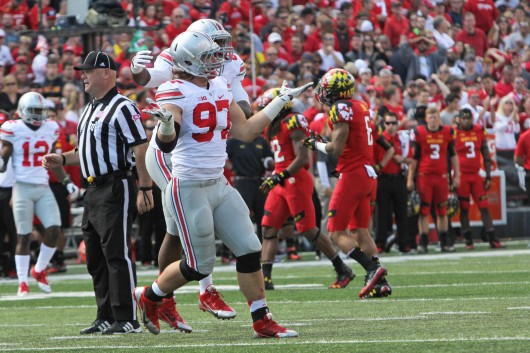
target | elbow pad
x=167, y=147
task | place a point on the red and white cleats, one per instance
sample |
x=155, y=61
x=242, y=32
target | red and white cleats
x=40, y=277
x=23, y=289
x=148, y=310
x=497, y=245
x=268, y=328
x=168, y=313
x=372, y=278
x=211, y=301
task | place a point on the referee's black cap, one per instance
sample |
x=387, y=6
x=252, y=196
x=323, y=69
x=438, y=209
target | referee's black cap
x=97, y=60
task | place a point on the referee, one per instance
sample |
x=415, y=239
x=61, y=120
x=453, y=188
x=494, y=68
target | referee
x=111, y=142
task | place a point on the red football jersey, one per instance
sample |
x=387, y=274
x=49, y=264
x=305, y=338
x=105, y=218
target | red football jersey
x=392, y=167
x=433, y=147
x=467, y=145
x=282, y=145
x=358, y=151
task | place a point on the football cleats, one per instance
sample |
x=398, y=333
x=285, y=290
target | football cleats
x=452, y=205
x=413, y=204
x=32, y=108
x=219, y=35
x=334, y=85
x=197, y=54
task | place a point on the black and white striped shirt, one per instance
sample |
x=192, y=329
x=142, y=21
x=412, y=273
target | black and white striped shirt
x=107, y=130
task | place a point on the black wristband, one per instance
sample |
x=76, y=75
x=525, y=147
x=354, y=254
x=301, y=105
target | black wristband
x=64, y=159
x=284, y=174
x=145, y=188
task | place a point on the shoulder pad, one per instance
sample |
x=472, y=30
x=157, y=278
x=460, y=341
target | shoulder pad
x=169, y=91
x=295, y=121
x=341, y=111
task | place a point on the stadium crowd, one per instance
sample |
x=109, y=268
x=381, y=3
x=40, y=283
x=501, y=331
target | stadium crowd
x=410, y=58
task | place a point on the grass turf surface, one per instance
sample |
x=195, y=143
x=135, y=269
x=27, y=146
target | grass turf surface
x=463, y=302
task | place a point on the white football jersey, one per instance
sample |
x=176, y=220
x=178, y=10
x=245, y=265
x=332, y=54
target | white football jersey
x=200, y=152
x=29, y=147
x=234, y=72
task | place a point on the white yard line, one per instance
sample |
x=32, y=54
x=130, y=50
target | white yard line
x=271, y=342
x=230, y=288
x=324, y=263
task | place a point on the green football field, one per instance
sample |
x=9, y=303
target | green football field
x=462, y=302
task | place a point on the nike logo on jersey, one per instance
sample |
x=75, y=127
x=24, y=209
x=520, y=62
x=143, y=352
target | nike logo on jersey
x=221, y=96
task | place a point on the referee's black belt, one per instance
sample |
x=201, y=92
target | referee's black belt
x=389, y=176
x=240, y=177
x=94, y=182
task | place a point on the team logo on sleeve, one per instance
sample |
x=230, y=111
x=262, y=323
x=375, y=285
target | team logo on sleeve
x=340, y=112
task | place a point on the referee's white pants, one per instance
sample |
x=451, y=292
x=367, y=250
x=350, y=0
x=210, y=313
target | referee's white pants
x=158, y=166
x=34, y=199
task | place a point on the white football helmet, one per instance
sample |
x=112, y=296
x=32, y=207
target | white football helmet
x=197, y=54
x=219, y=35
x=32, y=108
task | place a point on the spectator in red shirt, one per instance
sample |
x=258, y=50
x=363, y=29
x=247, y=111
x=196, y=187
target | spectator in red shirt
x=485, y=12
x=505, y=85
x=519, y=93
x=343, y=34
x=179, y=23
x=295, y=49
x=522, y=157
x=396, y=25
x=232, y=12
x=48, y=16
x=472, y=35
x=392, y=103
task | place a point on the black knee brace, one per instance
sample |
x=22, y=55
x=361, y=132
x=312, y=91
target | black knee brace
x=248, y=263
x=189, y=273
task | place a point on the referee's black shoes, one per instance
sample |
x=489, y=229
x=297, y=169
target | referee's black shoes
x=98, y=326
x=122, y=327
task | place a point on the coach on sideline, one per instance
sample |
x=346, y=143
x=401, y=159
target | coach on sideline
x=109, y=133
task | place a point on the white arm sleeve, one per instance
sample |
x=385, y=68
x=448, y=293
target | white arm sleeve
x=161, y=71
x=239, y=92
x=323, y=174
x=158, y=75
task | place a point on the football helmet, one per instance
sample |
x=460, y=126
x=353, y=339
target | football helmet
x=413, y=204
x=219, y=35
x=33, y=109
x=197, y=54
x=334, y=85
x=452, y=205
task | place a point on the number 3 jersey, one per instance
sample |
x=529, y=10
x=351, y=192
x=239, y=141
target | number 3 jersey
x=200, y=153
x=29, y=146
x=358, y=151
x=468, y=145
x=433, y=148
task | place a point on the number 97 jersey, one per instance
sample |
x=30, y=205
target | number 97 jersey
x=358, y=151
x=29, y=146
x=200, y=152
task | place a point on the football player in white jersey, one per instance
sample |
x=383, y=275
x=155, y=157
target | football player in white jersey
x=27, y=140
x=196, y=112
x=159, y=164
